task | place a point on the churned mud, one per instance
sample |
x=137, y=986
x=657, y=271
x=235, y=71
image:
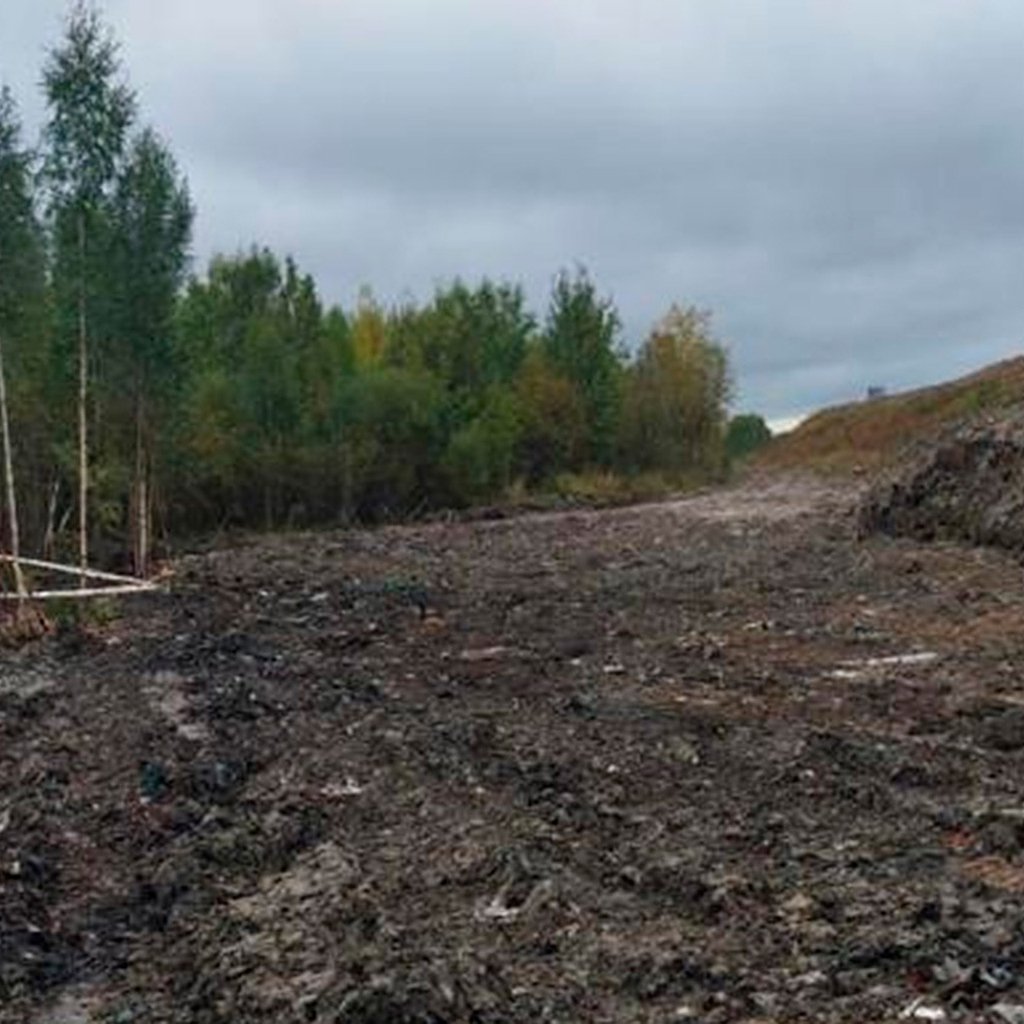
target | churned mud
x=718, y=759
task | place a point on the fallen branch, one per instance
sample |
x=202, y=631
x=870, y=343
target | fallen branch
x=119, y=584
x=93, y=574
x=52, y=595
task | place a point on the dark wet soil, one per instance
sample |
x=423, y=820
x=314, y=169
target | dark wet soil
x=967, y=485
x=712, y=760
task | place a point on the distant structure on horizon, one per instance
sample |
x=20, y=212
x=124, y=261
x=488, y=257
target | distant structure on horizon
x=875, y=391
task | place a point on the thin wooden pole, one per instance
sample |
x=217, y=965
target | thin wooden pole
x=140, y=526
x=83, y=592
x=12, y=504
x=116, y=584
x=142, y=569
x=92, y=574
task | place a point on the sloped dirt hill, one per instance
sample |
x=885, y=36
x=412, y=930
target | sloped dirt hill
x=713, y=760
x=867, y=436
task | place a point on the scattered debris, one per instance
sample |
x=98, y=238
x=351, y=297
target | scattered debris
x=1008, y=1013
x=615, y=782
x=486, y=653
x=861, y=668
x=967, y=486
x=920, y=1010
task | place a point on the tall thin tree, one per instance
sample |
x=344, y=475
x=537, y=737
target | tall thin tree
x=152, y=221
x=91, y=112
x=21, y=286
x=11, y=500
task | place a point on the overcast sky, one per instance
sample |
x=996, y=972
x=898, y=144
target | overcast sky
x=840, y=181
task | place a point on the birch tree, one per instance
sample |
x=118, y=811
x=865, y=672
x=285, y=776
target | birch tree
x=91, y=111
x=151, y=228
x=22, y=290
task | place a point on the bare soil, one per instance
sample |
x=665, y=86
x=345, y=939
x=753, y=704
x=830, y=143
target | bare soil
x=968, y=484
x=715, y=760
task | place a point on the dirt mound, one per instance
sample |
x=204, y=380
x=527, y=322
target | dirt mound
x=967, y=487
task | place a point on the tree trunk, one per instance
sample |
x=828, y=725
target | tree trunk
x=346, y=483
x=142, y=569
x=83, y=394
x=50, y=533
x=12, y=505
x=141, y=492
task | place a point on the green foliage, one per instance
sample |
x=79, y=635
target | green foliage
x=90, y=115
x=553, y=421
x=678, y=389
x=580, y=342
x=391, y=422
x=73, y=619
x=152, y=226
x=22, y=266
x=263, y=369
x=91, y=112
x=329, y=360
x=236, y=397
x=24, y=318
x=475, y=338
x=480, y=457
x=745, y=434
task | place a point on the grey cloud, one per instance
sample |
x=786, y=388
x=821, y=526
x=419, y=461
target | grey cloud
x=841, y=184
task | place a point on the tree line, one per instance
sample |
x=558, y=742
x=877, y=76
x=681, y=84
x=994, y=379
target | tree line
x=146, y=401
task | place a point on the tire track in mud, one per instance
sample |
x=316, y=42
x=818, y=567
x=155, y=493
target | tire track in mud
x=678, y=761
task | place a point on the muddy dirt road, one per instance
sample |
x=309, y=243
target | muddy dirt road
x=711, y=760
